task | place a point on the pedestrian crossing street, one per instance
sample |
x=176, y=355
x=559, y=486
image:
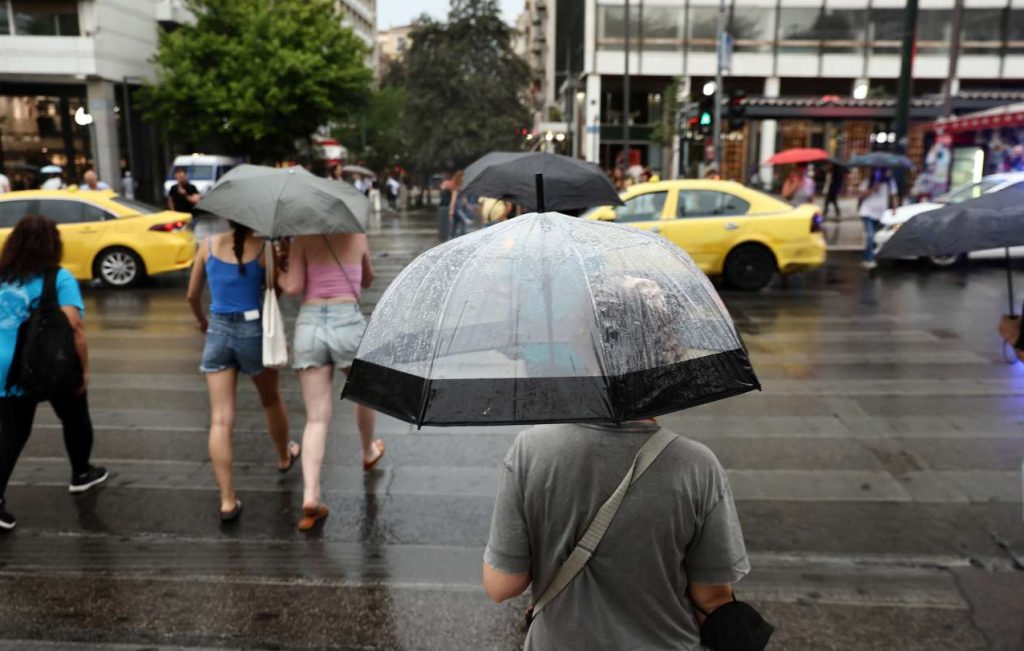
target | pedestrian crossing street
x=877, y=476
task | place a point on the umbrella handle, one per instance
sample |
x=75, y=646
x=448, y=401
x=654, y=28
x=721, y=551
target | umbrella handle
x=539, y=180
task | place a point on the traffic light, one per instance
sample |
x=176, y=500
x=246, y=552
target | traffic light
x=706, y=114
x=736, y=109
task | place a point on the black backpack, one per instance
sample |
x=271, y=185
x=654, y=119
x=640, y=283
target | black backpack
x=45, y=360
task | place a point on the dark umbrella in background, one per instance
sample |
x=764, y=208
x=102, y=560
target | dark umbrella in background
x=880, y=159
x=992, y=221
x=548, y=318
x=539, y=181
x=283, y=202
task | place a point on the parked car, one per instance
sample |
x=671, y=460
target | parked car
x=106, y=236
x=203, y=170
x=893, y=219
x=728, y=229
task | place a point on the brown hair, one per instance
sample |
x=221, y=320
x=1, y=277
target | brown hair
x=239, y=234
x=33, y=247
x=457, y=180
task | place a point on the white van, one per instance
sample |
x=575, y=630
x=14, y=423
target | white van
x=203, y=170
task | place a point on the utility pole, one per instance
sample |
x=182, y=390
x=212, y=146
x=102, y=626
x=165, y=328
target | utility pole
x=903, y=101
x=625, y=96
x=717, y=128
x=954, y=58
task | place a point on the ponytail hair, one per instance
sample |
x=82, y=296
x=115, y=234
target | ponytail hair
x=239, y=234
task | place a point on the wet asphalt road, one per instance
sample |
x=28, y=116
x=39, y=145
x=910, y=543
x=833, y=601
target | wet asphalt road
x=877, y=476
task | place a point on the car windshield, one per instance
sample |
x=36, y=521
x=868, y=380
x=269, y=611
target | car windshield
x=135, y=206
x=195, y=172
x=967, y=191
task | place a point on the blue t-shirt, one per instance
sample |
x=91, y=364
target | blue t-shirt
x=16, y=302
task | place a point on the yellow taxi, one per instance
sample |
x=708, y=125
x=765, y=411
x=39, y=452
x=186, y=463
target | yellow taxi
x=106, y=236
x=728, y=229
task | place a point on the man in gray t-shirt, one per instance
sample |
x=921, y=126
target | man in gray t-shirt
x=676, y=537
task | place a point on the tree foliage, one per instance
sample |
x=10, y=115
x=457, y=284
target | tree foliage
x=375, y=137
x=253, y=76
x=464, y=87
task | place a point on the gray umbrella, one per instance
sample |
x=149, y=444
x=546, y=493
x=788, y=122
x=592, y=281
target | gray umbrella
x=563, y=183
x=548, y=318
x=880, y=159
x=994, y=220
x=283, y=202
x=358, y=169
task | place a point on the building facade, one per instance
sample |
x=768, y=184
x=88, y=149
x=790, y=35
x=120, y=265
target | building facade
x=392, y=44
x=815, y=73
x=361, y=17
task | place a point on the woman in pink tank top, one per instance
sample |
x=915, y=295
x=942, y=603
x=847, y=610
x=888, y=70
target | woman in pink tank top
x=329, y=271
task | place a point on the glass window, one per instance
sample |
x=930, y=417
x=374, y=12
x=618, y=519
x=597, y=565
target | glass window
x=968, y=191
x=195, y=172
x=702, y=28
x=91, y=213
x=799, y=28
x=46, y=17
x=643, y=207
x=5, y=20
x=67, y=24
x=12, y=211
x=709, y=203
x=61, y=211
x=662, y=27
x=886, y=30
x=1015, y=30
x=137, y=206
x=982, y=33
x=752, y=28
x=843, y=29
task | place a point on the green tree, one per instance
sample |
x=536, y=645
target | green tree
x=254, y=76
x=464, y=87
x=375, y=135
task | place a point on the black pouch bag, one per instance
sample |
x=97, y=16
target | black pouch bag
x=735, y=626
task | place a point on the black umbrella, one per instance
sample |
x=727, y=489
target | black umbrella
x=992, y=221
x=283, y=202
x=880, y=159
x=547, y=318
x=540, y=181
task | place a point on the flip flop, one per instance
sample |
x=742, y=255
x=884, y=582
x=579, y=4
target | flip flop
x=311, y=516
x=227, y=517
x=292, y=456
x=378, y=445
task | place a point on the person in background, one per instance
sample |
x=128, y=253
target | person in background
x=5, y=183
x=444, y=220
x=183, y=196
x=91, y=182
x=54, y=181
x=798, y=188
x=233, y=265
x=712, y=174
x=392, y=186
x=877, y=193
x=330, y=271
x=833, y=186
x=360, y=183
x=458, y=209
x=128, y=185
x=335, y=172
x=33, y=249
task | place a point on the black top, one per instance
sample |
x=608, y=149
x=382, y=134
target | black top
x=179, y=197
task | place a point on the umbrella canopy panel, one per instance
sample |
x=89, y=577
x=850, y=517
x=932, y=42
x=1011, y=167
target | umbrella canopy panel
x=284, y=202
x=358, y=169
x=547, y=318
x=798, y=155
x=880, y=159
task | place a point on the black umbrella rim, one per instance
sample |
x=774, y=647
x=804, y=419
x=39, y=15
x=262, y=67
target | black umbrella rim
x=553, y=202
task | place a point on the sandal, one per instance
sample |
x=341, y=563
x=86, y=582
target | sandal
x=311, y=516
x=294, y=452
x=227, y=517
x=376, y=445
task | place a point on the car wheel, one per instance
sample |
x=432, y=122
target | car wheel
x=119, y=267
x=946, y=260
x=750, y=267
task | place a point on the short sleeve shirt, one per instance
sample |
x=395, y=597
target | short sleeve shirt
x=179, y=198
x=677, y=524
x=17, y=299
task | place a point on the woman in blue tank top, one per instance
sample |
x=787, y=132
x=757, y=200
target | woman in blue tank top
x=232, y=264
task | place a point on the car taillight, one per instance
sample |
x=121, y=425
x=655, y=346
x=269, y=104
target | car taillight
x=170, y=227
x=816, y=222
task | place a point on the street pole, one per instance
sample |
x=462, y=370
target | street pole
x=128, y=128
x=717, y=128
x=625, y=96
x=903, y=100
x=954, y=58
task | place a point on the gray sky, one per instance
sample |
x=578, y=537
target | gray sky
x=392, y=13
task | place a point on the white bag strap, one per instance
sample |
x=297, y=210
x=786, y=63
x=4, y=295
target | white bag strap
x=591, y=538
x=268, y=321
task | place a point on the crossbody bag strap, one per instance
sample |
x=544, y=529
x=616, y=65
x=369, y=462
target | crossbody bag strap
x=48, y=297
x=591, y=538
x=348, y=279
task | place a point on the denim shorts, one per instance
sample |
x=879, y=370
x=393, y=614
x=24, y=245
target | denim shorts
x=233, y=342
x=327, y=334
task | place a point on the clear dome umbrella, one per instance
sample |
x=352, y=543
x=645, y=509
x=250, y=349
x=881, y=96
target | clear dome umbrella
x=548, y=318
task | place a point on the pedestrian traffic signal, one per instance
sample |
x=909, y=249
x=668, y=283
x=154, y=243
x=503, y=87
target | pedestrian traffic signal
x=707, y=113
x=736, y=109
x=705, y=119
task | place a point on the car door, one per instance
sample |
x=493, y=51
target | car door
x=643, y=210
x=707, y=224
x=79, y=223
x=11, y=211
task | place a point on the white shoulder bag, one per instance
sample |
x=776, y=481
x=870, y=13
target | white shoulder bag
x=275, y=342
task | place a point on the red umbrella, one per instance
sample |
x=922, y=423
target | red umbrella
x=798, y=155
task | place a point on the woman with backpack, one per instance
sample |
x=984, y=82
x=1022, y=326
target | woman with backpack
x=232, y=264
x=330, y=271
x=32, y=283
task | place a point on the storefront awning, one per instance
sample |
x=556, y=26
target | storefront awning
x=1011, y=115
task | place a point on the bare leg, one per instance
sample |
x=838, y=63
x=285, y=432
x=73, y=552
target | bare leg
x=366, y=419
x=222, y=423
x=277, y=416
x=317, y=392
